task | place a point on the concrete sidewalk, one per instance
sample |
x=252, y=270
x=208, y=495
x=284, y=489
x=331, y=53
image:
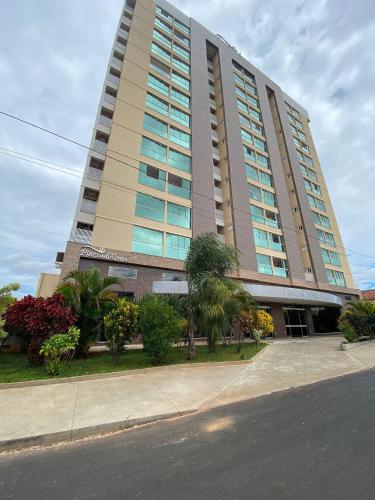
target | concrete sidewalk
x=71, y=409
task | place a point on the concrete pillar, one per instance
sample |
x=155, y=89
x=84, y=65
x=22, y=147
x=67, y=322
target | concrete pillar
x=278, y=319
x=310, y=321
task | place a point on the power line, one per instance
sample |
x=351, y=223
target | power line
x=136, y=168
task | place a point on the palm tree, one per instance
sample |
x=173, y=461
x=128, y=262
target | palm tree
x=207, y=256
x=362, y=307
x=89, y=296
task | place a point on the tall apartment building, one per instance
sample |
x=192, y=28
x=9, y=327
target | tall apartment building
x=190, y=137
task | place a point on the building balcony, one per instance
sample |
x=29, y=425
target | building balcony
x=217, y=173
x=81, y=236
x=215, y=153
x=109, y=98
x=218, y=192
x=221, y=238
x=214, y=135
x=213, y=119
x=123, y=33
x=105, y=121
x=219, y=216
x=100, y=146
x=112, y=79
x=95, y=173
x=88, y=206
x=309, y=277
x=212, y=103
x=120, y=47
x=116, y=63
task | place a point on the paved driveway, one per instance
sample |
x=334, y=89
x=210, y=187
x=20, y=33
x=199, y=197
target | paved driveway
x=65, y=409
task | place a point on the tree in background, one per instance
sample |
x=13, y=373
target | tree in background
x=208, y=261
x=159, y=326
x=6, y=299
x=90, y=298
x=36, y=319
x=120, y=325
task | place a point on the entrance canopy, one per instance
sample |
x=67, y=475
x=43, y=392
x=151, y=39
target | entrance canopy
x=264, y=293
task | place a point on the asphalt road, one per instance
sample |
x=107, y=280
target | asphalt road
x=316, y=442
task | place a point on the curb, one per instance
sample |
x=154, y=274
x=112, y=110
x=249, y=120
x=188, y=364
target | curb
x=122, y=373
x=71, y=435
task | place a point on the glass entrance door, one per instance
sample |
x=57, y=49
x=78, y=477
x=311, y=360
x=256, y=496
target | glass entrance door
x=295, y=322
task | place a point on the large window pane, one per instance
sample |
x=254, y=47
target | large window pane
x=157, y=84
x=147, y=241
x=164, y=54
x=179, y=161
x=179, y=186
x=151, y=176
x=178, y=215
x=176, y=247
x=181, y=98
x=155, y=126
x=157, y=104
x=261, y=238
x=180, y=80
x=179, y=137
x=264, y=264
x=179, y=116
x=154, y=150
x=149, y=207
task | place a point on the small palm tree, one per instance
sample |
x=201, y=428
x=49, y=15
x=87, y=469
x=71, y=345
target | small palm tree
x=89, y=296
x=362, y=307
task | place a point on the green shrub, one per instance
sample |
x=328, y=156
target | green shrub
x=257, y=335
x=345, y=324
x=159, y=326
x=120, y=326
x=59, y=349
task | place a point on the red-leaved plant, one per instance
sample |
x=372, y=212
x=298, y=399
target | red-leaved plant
x=35, y=319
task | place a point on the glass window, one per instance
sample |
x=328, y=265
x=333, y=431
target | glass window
x=159, y=67
x=151, y=176
x=164, y=13
x=162, y=38
x=157, y=104
x=251, y=172
x=254, y=113
x=155, y=126
x=280, y=267
x=157, y=84
x=176, y=247
x=257, y=128
x=153, y=149
x=178, y=215
x=179, y=116
x=248, y=153
x=312, y=174
x=307, y=160
x=182, y=38
x=261, y=238
x=340, y=280
x=316, y=189
x=164, y=54
x=301, y=135
x=163, y=25
x=252, y=100
x=181, y=65
x=244, y=121
x=265, y=178
x=241, y=106
x=181, y=51
x=324, y=221
x=299, y=124
x=259, y=144
x=307, y=184
x=264, y=264
x=182, y=27
x=179, y=161
x=179, y=186
x=320, y=204
x=179, y=137
x=123, y=272
x=330, y=240
x=250, y=88
x=180, y=80
x=262, y=160
x=331, y=277
x=272, y=219
x=255, y=192
x=181, y=98
x=237, y=79
x=311, y=200
x=147, y=241
x=257, y=214
x=149, y=207
x=276, y=242
x=241, y=93
x=320, y=234
x=303, y=169
x=246, y=136
x=335, y=259
x=296, y=142
x=269, y=198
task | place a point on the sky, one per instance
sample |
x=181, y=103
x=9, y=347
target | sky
x=53, y=61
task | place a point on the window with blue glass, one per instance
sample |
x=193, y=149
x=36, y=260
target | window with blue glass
x=151, y=176
x=179, y=116
x=181, y=98
x=179, y=137
x=330, y=257
x=157, y=84
x=246, y=136
x=149, y=207
x=179, y=160
x=181, y=51
x=249, y=154
x=178, y=215
x=162, y=38
x=259, y=144
x=157, y=104
x=185, y=68
x=176, y=247
x=335, y=278
x=264, y=264
x=164, y=54
x=147, y=241
x=180, y=80
x=153, y=149
x=155, y=126
x=262, y=216
x=163, y=25
x=182, y=27
x=178, y=186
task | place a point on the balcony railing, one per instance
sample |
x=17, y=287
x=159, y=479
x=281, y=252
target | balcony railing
x=88, y=206
x=120, y=47
x=116, y=63
x=123, y=33
x=95, y=173
x=114, y=79
x=213, y=103
x=81, y=236
x=217, y=172
x=100, y=146
x=214, y=135
x=215, y=153
x=109, y=98
x=218, y=192
x=104, y=120
x=219, y=216
x=213, y=119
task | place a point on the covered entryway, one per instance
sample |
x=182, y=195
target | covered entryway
x=296, y=322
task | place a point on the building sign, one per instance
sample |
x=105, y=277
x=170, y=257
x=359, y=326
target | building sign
x=91, y=252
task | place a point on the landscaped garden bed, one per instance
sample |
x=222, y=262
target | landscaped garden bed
x=15, y=367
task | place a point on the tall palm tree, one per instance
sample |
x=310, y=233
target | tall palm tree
x=89, y=296
x=206, y=256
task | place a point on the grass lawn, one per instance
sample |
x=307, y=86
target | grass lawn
x=15, y=368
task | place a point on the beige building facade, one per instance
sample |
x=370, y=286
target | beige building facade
x=190, y=137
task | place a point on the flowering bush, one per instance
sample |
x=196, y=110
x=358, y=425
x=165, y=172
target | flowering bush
x=120, y=325
x=59, y=349
x=264, y=322
x=35, y=319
